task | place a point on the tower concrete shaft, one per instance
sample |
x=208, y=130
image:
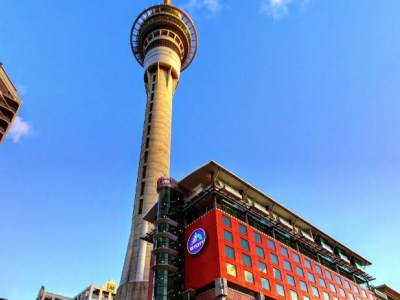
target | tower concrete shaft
x=164, y=42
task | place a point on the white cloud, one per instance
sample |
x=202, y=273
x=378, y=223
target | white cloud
x=19, y=129
x=21, y=90
x=211, y=6
x=278, y=8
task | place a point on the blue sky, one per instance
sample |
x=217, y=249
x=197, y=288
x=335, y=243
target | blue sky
x=299, y=98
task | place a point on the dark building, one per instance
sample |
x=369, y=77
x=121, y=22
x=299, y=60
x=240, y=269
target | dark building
x=218, y=237
x=9, y=103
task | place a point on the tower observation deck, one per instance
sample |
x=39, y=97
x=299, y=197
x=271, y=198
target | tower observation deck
x=164, y=42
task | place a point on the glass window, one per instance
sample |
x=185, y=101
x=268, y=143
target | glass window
x=306, y=298
x=265, y=283
x=326, y=296
x=274, y=259
x=355, y=289
x=351, y=296
x=260, y=251
x=318, y=269
x=311, y=277
x=338, y=280
x=322, y=282
x=290, y=280
x=315, y=291
x=231, y=269
x=342, y=292
x=347, y=284
x=244, y=244
x=248, y=276
x=229, y=252
x=228, y=236
x=308, y=263
x=284, y=251
x=371, y=297
x=287, y=265
x=296, y=257
x=226, y=221
x=262, y=267
x=333, y=288
x=271, y=245
x=328, y=274
x=299, y=271
x=257, y=237
x=242, y=229
x=280, y=290
x=293, y=295
x=364, y=293
x=246, y=259
x=303, y=286
x=335, y=298
x=277, y=274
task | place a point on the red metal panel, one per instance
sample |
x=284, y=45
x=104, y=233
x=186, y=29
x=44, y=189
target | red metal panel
x=204, y=267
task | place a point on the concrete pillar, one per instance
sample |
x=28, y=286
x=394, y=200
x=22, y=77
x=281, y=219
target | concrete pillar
x=260, y=296
x=154, y=163
x=221, y=288
x=90, y=292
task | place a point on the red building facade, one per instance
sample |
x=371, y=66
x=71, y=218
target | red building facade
x=251, y=259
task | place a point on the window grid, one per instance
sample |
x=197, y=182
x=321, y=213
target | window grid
x=270, y=245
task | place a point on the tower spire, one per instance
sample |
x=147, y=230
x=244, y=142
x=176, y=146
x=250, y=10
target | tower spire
x=167, y=2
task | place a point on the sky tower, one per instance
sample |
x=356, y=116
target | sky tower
x=164, y=42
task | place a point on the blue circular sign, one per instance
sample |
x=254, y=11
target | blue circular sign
x=196, y=241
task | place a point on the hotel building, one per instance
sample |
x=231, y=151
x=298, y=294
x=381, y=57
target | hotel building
x=218, y=237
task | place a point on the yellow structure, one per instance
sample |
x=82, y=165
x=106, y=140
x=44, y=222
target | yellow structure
x=106, y=291
x=9, y=103
x=164, y=42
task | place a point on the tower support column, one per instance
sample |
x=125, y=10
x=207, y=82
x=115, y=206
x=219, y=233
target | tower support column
x=154, y=163
x=164, y=42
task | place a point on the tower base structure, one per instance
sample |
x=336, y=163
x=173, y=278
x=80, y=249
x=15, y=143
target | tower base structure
x=134, y=290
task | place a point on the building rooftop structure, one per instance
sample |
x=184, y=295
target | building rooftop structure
x=9, y=103
x=386, y=292
x=106, y=291
x=45, y=295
